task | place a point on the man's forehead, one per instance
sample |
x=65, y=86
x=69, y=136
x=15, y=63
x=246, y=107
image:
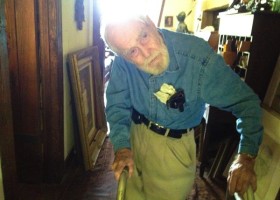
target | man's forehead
x=130, y=26
x=126, y=34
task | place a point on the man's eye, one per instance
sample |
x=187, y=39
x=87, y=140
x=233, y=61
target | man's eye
x=145, y=35
x=133, y=52
x=145, y=38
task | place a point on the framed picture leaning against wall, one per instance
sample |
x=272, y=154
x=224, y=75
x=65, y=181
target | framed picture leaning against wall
x=87, y=88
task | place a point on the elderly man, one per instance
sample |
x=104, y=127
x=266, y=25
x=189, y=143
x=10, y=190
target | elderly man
x=159, y=85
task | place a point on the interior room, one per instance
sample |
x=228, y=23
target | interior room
x=54, y=69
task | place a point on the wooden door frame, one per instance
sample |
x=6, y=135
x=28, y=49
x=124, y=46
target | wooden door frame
x=50, y=63
x=7, y=151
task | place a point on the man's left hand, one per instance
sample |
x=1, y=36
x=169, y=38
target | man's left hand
x=242, y=175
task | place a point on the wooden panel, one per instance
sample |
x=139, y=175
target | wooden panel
x=51, y=68
x=26, y=72
x=25, y=87
x=8, y=165
x=35, y=56
x=52, y=86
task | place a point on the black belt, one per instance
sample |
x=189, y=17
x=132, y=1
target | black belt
x=139, y=119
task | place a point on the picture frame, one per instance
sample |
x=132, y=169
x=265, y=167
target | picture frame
x=267, y=163
x=88, y=92
x=272, y=96
x=168, y=21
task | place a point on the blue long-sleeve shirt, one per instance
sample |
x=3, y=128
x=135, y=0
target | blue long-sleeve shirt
x=204, y=78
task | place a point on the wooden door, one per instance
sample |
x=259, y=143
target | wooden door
x=7, y=155
x=35, y=63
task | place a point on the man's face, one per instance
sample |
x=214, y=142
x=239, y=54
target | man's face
x=141, y=44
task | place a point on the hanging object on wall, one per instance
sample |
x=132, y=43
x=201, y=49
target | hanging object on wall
x=79, y=14
x=168, y=21
x=182, y=26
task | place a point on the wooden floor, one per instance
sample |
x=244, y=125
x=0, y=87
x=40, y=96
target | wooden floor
x=99, y=184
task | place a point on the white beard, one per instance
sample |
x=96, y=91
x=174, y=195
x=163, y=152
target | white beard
x=159, y=66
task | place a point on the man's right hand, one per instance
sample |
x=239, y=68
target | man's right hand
x=123, y=158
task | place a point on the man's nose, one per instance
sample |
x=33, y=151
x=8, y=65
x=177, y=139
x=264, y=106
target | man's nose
x=145, y=52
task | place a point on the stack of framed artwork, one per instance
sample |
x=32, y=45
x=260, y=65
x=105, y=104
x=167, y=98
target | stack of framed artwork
x=88, y=92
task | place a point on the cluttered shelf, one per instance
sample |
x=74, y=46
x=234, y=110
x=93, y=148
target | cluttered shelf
x=251, y=42
x=251, y=52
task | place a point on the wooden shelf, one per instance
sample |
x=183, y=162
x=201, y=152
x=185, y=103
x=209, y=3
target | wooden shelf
x=262, y=30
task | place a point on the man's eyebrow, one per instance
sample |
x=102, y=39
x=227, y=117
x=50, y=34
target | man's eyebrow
x=142, y=32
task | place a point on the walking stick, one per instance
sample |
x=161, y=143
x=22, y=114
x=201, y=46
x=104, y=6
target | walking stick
x=249, y=195
x=122, y=184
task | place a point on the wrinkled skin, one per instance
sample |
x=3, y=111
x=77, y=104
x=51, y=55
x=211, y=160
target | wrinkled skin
x=141, y=44
x=242, y=175
x=123, y=158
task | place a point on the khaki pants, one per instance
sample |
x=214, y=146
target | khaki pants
x=164, y=167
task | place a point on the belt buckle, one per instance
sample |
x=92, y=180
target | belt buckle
x=157, y=128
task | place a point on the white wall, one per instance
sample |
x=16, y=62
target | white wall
x=73, y=40
x=173, y=8
x=203, y=5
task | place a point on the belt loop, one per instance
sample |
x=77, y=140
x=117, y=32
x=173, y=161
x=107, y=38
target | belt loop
x=191, y=130
x=166, y=132
x=149, y=125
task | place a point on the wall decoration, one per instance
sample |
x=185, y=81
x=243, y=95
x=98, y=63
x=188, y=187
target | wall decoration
x=267, y=169
x=168, y=21
x=267, y=164
x=182, y=26
x=272, y=97
x=87, y=87
x=79, y=13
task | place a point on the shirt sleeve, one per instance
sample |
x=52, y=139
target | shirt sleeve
x=222, y=87
x=118, y=112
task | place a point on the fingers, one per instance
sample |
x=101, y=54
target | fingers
x=241, y=176
x=254, y=183
x=119, y=166
x=242, y=184
x=232, y=180
x=123, y=158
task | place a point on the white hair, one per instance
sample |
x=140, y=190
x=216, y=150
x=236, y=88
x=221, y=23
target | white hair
x=107, y=26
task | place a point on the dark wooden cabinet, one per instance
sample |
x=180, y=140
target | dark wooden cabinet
x=265, y=50
x=262, y=31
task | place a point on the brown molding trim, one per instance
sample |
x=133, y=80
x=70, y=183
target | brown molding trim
x=7, y=151
x=51, y=64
